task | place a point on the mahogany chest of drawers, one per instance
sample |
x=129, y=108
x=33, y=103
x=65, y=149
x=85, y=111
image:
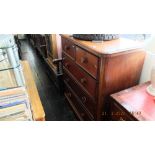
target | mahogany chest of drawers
x=94, y=70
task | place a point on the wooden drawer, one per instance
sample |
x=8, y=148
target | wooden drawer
x=87, y=61
x=86, y=101
x=78, y=109
x=68, y=47
x=85, y=81
x=117, y=114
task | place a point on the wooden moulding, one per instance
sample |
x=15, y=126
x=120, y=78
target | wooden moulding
x=36, y=105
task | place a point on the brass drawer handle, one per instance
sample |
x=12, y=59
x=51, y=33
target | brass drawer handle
x=84, y=60
x=84, y=99
x=83, y=80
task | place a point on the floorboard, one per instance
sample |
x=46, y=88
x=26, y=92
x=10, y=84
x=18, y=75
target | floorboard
x=55, y=106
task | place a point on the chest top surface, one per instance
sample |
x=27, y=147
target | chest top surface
x=107, y=47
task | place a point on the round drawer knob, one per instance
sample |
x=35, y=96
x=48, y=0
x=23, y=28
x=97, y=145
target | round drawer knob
x=83, y=99
x=66, y=65
x=69, y=95
x=121, y=119
x=67, y=79
x=84, y=60
x=82, y=114
x=83, y=80
x=95, y=66
x=67, y=48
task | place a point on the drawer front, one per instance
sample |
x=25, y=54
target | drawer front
x=78, y=109
x=87, y=61
x=119, y=115
x=85, y=80
x=68, y=47
x=86, y=101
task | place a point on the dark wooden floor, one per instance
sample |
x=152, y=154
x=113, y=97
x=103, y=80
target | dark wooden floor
x=55, y=106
